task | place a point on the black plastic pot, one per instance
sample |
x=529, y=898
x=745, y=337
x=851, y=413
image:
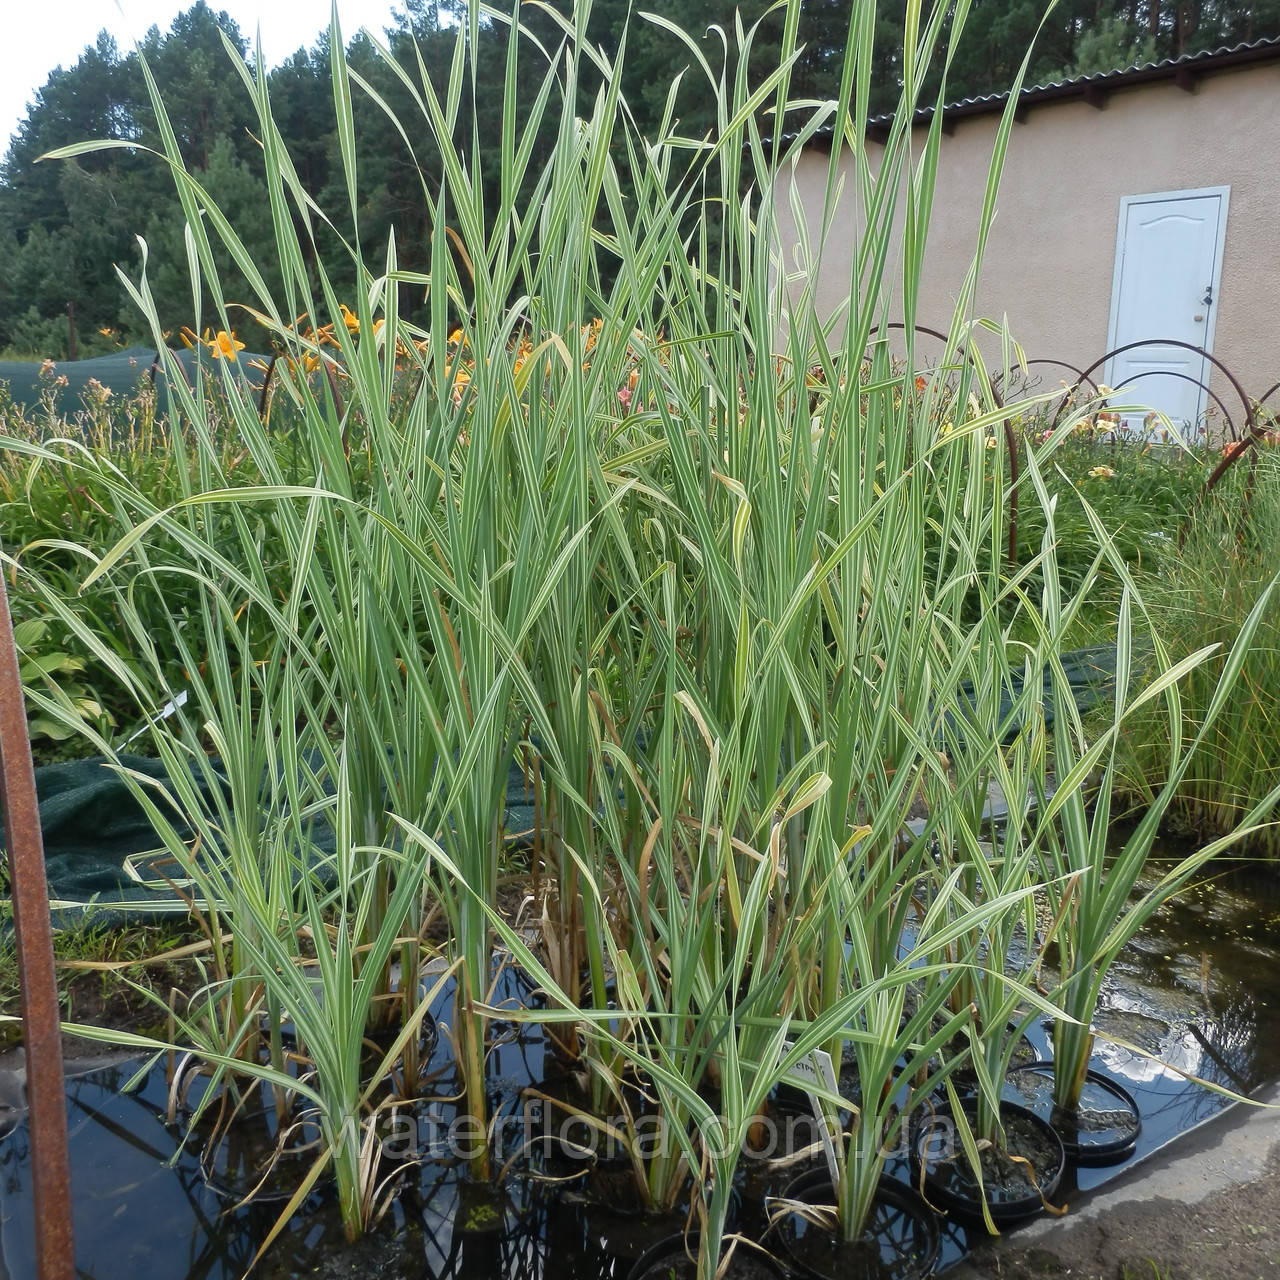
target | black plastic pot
x=672, y=1259
x=1103, y=1130
x=246, y=1161
x=965, y=1078
x=1009, y=1191
x=901, y=1241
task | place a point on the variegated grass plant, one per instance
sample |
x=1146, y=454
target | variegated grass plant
x=1090, y=885
x=708, y=564
x=427, y=625
x=1205, y=586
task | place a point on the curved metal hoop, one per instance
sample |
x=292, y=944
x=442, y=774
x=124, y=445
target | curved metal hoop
x=1186, y=377
x=1010, y=439
x=1245, y=441
x=1183, y=346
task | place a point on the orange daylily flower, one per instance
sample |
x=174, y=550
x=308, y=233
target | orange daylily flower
x=224, y=345
x=349, y=319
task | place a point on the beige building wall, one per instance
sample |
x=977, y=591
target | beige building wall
x=1051, y=255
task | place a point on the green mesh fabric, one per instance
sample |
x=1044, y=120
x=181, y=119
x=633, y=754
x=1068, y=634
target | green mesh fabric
x=104, y=861
x=121, y=372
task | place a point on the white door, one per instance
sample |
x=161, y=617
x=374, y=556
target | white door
x=1168, y=262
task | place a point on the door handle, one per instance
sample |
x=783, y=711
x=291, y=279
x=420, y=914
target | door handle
x=1207, y=300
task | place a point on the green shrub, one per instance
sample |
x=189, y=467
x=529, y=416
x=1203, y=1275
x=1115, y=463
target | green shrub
x=61, y=507
x=1142, y=491
x=1199, y=594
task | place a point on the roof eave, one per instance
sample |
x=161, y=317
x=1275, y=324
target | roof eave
x=1184, y=72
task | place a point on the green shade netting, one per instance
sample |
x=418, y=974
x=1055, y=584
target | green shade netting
x=121, y=372
x=106, y=864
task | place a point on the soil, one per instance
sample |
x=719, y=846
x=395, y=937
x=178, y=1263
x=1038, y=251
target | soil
x=87, y=1000
x=683, y=1269
x=1101, y=1130
x=822, y=1254
x=123, y=995
x=116, y=1008
x=513, y=902
x=899, y=1242
x=1007, y=1181
x=378, y=1256
x=1231, y=1235
x=746, y=1264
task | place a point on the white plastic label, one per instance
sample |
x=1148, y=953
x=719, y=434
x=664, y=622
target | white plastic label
x=815, y=1070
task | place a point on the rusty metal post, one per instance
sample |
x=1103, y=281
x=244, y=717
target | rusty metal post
x=41, y=1032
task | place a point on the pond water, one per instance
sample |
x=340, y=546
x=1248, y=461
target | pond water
x=1198, y=990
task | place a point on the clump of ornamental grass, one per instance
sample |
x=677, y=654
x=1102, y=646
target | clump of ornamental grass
x=629, y=510
x=1200, y=594
x=1089, y=882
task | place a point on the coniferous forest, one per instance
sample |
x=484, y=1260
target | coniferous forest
x=66, y=226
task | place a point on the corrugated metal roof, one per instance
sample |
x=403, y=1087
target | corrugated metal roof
x=1187, y=67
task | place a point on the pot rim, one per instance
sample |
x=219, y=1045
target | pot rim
x=1009, y=1211
x=1091, y=1154
x=889, y=1188
x=685, y=1242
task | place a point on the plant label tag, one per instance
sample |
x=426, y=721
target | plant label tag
x=816, y=1070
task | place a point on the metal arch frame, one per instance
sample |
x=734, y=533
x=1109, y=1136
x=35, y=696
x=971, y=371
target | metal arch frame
x=1011, y=443
x=1245, y=442
x=41, y=1028
x=1185, y=346
x=1186, y=377
x=1081, y=376
x=1268, y=393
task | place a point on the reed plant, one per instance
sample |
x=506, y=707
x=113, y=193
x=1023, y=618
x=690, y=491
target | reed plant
x=1089, y=882
x=630, y=510
x=394, y=667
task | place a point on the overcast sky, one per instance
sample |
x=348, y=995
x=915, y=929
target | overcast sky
x=42, y=34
